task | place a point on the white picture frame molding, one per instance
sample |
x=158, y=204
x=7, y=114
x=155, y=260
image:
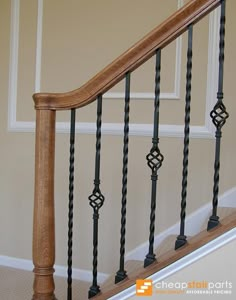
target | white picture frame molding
x=166, y=130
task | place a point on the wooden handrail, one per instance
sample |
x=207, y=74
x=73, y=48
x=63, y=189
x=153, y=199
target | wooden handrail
x=161, y=36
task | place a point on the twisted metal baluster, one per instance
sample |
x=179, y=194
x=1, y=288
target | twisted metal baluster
x=96, y=200
x=121, y=273
x=154, y=161
x=181, y=239
x=71, y=198
x=219, y=116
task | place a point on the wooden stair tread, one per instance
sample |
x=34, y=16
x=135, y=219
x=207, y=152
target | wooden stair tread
x=170, y=257
x=222, y=212
x=132, y=266
x=166, y=245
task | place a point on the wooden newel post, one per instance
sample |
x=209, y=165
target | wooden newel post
x=44, y=220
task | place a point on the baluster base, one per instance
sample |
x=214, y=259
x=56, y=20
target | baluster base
x=150, y=258
x=180, y=242
x=213, y=222
x=93, y=291
x=120, y=275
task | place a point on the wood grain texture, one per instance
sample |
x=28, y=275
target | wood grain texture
x=161, y=36
x=168, y=258
x=44, y=221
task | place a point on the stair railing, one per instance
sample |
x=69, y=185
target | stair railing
x=47, y=104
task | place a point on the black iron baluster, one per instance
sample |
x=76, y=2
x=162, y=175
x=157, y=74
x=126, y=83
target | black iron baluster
x=96, y=200
x=181, y=239
x=154, y=161
x=121, y=273
x=71, y=198
x=219, y=116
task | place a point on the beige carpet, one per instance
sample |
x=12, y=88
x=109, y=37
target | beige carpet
x=17, y=285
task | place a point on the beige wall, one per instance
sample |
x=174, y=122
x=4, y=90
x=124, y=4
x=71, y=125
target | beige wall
x=79, y=38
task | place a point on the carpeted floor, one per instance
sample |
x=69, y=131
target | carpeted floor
x=17, y=285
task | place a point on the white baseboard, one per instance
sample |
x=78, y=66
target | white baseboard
x=193, y=225
x=61, y=271
x=16, y=263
